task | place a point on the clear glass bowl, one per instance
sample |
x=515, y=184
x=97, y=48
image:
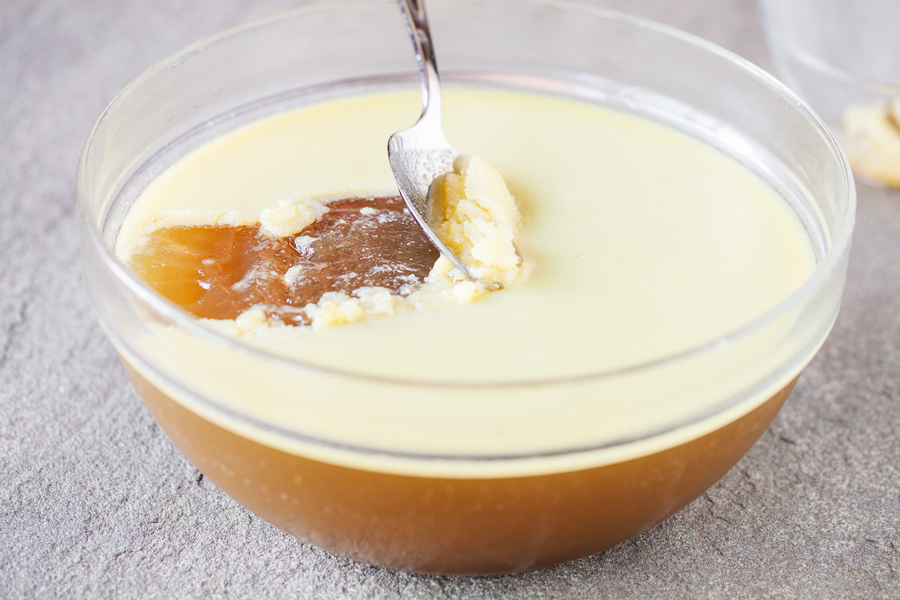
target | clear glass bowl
x=839, y=55
x=411, y=494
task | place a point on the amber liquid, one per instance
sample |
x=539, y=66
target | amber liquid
x=218, y=272
x=457, y=526
x=417, y=523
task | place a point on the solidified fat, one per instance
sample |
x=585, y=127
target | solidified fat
x=477, y=217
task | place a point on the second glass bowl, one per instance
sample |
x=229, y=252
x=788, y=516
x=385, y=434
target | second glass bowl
x=843, y=57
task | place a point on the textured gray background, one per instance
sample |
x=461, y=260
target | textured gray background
x=95, y=501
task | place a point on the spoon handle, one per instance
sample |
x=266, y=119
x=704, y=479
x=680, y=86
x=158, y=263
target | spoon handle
x=413, y=12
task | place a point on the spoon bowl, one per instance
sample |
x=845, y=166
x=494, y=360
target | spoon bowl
x=421, y=154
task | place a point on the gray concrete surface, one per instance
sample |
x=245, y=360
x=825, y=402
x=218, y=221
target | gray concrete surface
x=95, y=502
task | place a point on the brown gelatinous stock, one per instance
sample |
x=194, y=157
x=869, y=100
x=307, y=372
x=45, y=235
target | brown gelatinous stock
x=218, y=272
x=456, y=526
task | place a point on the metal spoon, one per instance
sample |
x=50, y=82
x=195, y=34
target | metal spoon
x=422, y=153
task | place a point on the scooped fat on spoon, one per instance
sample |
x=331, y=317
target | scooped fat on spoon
x=474, y=214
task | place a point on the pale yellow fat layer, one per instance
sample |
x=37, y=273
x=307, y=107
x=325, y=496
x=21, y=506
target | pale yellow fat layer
x=645, y=242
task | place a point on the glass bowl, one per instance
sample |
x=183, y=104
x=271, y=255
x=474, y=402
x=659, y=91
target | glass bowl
x=843, y=57
x=431, y=488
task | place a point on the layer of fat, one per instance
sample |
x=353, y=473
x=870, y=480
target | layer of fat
x=648, y=243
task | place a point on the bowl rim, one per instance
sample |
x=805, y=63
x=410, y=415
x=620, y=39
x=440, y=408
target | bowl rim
x=178, y=316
